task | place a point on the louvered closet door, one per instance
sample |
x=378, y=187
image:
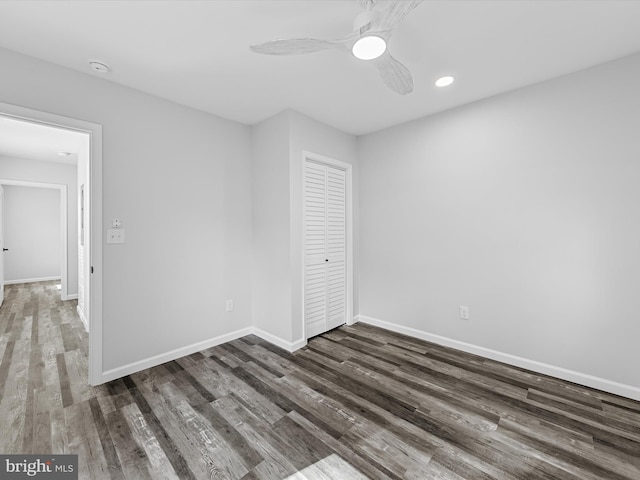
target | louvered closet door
x=325, y=248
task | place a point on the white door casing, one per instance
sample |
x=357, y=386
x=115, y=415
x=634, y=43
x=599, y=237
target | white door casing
x=1, y=245
x=325, y=247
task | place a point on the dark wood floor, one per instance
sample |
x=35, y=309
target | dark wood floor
x=356, y=403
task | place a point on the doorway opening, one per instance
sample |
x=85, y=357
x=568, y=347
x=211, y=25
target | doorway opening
x=35, y=234
x=36, y=134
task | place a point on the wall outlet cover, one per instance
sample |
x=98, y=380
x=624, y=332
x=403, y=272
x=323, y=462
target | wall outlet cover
x=115, y=235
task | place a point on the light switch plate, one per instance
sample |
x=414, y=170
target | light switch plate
x=115, y=235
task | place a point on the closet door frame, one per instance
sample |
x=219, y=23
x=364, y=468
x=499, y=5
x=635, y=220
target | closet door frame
x=348, y=169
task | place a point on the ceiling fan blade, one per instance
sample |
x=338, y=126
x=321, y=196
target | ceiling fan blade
x=394, y=74
x=395, y=12
x=295, y=46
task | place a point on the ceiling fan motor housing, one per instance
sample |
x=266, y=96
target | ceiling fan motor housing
x=364, y=19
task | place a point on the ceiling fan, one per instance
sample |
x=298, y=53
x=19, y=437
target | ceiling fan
x=368, y=41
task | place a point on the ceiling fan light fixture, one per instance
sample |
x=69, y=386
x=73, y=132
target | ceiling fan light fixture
x=369, y=47
x=444, y=81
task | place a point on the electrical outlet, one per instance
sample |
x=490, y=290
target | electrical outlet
x=115, y=235
x=464, y=312
x=229, y=305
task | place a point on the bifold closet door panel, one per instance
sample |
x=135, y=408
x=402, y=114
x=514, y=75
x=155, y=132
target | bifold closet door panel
x=324, y=247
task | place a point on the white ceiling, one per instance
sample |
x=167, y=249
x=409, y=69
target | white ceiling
x=32, y=141
x=196, y=52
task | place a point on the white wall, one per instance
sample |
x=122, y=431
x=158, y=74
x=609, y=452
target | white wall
x=31, y=233
x=56, y=173
x=271, y=235
x=277, y=145
x=524, y=207
x=180, y=181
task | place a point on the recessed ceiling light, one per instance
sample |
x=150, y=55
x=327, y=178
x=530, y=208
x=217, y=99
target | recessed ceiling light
x=370, y=47
x=99, y=66
x=444, y=81
x=64, y=154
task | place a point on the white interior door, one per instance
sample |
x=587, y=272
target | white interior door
x=325, y=248
x=1, y=244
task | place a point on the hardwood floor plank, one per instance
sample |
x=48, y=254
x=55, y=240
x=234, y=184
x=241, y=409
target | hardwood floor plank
x=401, y=459
x=464, y=468
x=110, y=455
x=570, y=453
x=42, y=432
x=347, y=451
x=206, y=395
x=559, y=461
x=253, y=430
x=143, y=437
x=326, y=469
x=68, y=335
x=83, y=440
x=231, y=436
x=239, y=348
x=363, y=410
x=594, y=415
x=332, y=372
x=5, y=364
x=174, y=456
x=273, y=359
x=335, y=419
x=59, y=434
x=437, y=471
x=304, y=448
x=526, y=407
x=204, y=450
x=9, y=324
x=12, y=414
x=28, y=426
x=231, y=385
x=152, y=376
x=63, y=377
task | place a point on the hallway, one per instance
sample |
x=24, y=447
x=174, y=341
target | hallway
x=43, y=347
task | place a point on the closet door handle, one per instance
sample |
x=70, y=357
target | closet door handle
x=6, y=250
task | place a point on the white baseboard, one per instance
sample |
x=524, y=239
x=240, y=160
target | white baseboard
x=298, y=344
x=73, y=296
x=279, y=342
x=605, y=385
x=134, y=367
x=196, y=347
x=83, y=318
x=30, y=280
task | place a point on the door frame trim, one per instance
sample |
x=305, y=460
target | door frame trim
x=348, y=169
x=94, y=232
x=64, y=226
